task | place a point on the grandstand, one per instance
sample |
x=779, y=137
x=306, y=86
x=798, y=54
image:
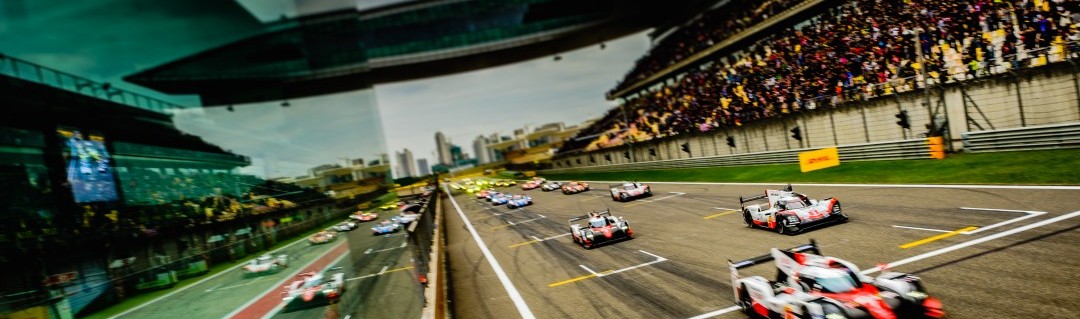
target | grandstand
x=90, y=181
x=846, y=52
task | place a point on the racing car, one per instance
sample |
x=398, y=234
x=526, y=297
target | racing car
x=405, y=217
x=322, y=237
x=386, y=227
x=550, y=186
x=313, y=289
x=532, y=184
x=600, y=228
x=789, y=212
x=345, y=226
x=500, y=199
x=492, y=194
x=483, y=193
x=809, y=285
x=627, y=190
x=575, y=187
x=518, y=201
x=364, y=217
x=504, y=183
x=265, y=264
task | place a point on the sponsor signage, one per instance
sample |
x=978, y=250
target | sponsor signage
x=818, y=159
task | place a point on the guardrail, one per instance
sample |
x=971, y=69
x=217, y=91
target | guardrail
x=1024, y=138
x=890, y=150
x=422, y=239
x=13, y=67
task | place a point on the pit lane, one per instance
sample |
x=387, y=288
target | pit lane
x=696, y=232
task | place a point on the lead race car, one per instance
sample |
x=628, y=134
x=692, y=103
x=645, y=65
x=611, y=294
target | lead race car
x=626, y=190
x=601, y=228
x=788, y=212
x=313, y=289
x=809, y=285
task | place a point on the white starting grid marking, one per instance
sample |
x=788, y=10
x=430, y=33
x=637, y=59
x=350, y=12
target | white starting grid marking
x=665, y=197
x=371, y=250
x=527, y=220
x=948, y=249
x=612, y=272
x=1027, y=214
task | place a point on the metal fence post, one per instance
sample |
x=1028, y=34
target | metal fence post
x=1020, y=101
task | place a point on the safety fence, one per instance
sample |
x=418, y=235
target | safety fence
x=890, y=150
x=421, y=237
x=1024, y=138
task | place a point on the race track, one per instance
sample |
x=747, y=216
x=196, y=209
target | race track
x=1022, y=263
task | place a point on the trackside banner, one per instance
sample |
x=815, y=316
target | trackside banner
x=818, y=159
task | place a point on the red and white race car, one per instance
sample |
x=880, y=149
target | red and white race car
x=626, y=190
x=789, y=212
x=809, y=285
x=600, y=228
x=312, y=289
x=533, y=184
x=574, y=187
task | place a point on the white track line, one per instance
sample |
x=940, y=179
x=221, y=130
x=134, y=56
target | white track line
x=972, y=242
x=1029, y=214
x=927, y=229
x=170, y=294
x=929, y=254
x=955, y=186
x=665, y=197
x=590, y=270
x=556, y=236
x=515, y=296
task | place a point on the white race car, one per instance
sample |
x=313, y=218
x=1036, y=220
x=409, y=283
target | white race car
x=809, y=285
x=550, y=186
x=789, y=212
x=265, y=264
x=345, y=226
x=627, y=190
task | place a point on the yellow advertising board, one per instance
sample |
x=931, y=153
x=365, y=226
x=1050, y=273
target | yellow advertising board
x=818, y=159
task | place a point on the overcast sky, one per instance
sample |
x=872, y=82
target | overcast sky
x=499, y=100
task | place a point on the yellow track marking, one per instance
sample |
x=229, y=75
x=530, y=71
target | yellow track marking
x=571, y=280
x=721, y=214
x=525, y=243
x=938, y=237
x=576, y=279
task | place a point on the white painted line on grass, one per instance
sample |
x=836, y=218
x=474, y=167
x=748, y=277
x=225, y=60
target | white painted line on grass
x=170, y=294
x=956, y=186
x=515, y=296
x=927, y=229
x=972, y=242
x=1028, y=214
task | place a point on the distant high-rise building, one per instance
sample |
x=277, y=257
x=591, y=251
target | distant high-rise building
x=479, y=147
x=423, y=167
x=405, y=162
x=442, y=149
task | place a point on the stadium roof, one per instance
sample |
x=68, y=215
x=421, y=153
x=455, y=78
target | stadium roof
x=349, y=49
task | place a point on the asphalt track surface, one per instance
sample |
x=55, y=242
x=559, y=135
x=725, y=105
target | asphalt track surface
x=381, y=283
x=676, y=266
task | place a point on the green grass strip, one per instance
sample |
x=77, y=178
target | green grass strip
x=1052, y=167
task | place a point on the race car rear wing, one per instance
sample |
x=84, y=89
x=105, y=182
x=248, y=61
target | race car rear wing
x=606, y=212
x=811, y=247
x=750, y=198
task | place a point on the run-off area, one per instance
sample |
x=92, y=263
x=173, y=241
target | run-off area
x=676, y=265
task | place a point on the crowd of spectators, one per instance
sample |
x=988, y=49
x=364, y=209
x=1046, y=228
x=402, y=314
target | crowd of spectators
x=859, y=50
x=706, y=30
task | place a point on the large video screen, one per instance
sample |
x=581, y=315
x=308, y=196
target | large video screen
x=89, y=170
